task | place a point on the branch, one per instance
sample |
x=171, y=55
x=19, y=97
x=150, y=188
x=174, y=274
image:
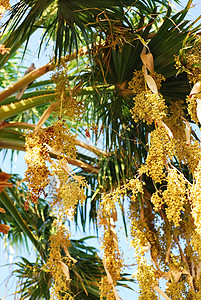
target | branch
x=181, y=252
x=93, y=149
x=20, y=125
x=84, y=166
x=161, y=292
x=30, y=77
x=73, y=161
x=24, y=125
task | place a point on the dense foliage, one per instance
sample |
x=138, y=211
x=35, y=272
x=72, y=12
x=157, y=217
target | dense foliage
x=112, y=128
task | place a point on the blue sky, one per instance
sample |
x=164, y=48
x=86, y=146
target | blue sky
x=19, y=166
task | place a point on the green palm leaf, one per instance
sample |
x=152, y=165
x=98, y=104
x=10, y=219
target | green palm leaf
x=70, y=21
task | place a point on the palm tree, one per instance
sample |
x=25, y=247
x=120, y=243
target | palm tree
x=105, y=45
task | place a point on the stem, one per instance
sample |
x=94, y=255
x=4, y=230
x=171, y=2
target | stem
x=93, y=149
x=181, y=252
x=78, y=163
x=161, y=292
x=20, y=125
x=24, y=125
x=30, y=77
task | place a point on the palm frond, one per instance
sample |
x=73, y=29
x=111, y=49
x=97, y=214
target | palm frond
x=67, y=22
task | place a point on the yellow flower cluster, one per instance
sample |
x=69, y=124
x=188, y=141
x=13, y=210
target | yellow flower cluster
x=143, y=233
x=106, y=291
x=188, y=63
x=165, y=240
x=136, y=186
x=68, y=188
x=147, y=279
x=174, y=196
x=112, y=257
x=161, y=149
x=137, y=83
x=186, y=153
x=109, y=200
x=68, y=191
x=196, y=244
x=194, y=57
x=60, y=139
x=107, y=217
x=4, y=5
x=148, y=107
x=178, y=63
x=177, y=291
x=174, y=120
x=187, y=226
x=195, y=198
x=56, y=138
x=61, y=238
x=196, y=295
x=68, y=105
x=56, y=263
x=191, y=154
x=107, y=206
x=157, y=200
x=192, y=107
x=37, y=173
